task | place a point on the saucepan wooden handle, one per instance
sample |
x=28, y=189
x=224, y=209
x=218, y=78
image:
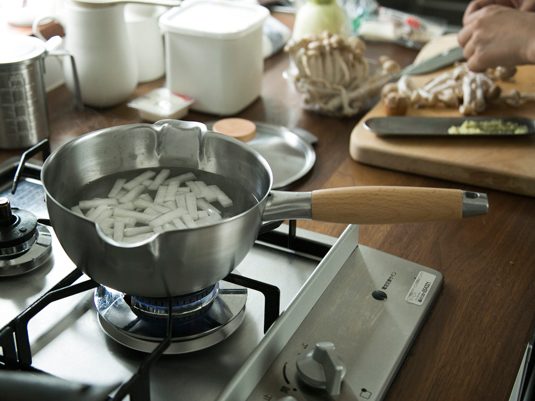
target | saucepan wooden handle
x=390, y=204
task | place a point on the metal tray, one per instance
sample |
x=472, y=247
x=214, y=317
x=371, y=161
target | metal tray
x=289, y=152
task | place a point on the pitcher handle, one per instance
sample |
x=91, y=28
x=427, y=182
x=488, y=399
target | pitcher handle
x=52, y=48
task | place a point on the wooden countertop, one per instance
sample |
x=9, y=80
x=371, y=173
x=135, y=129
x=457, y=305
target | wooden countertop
x=471, y=346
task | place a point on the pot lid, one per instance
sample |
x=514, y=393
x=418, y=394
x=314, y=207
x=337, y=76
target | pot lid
x=16, y=48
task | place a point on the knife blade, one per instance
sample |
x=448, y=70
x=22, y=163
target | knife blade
x=441, y=60
x=439, y=126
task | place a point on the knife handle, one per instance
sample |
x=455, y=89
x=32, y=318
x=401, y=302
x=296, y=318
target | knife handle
x=390, y=204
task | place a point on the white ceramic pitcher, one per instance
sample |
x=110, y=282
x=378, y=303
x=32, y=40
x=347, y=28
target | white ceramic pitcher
x=96, y=35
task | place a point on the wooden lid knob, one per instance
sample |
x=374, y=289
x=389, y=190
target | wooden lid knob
x=238, y=128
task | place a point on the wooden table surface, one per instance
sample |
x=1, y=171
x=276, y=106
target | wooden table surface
x=471, y=346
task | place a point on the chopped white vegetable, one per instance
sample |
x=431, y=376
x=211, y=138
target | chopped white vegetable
x=140, y=217
x=167, y=217
x=118, y=231
x=132, y=194
x=191, y=205
x=206, y=191
x=131, y=231
x=159, y=179
x=154, y=203
x=143, y=204
x=77, y=210
x=139, y=180
x=171, y=191
x=93, y=214
x=222, y=197
x=128, y=221
x=138, y=238
x=181, y=201
x=194, y=188
x=179, y=224
x=188, y=221
x=180, y=179
x=116, y=187
x=203, y=205
x=89, y=204
x=160, y=194
x=146, y=197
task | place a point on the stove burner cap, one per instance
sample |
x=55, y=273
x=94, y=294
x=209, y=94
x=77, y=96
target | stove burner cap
x=181, y=306
x=18, y=229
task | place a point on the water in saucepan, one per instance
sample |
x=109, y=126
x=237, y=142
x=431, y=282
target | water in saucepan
x=135, y=204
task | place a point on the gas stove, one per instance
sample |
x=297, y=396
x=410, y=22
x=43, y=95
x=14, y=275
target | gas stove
x=304, y=317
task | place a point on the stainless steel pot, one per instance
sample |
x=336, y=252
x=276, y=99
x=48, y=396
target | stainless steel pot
x=183, y=261
x=23, y=107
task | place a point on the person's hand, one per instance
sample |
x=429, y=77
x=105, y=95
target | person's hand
x=475, y=5
x=497, y=35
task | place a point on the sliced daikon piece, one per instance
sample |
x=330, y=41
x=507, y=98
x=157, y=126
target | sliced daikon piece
x=138, y=238
x=188, y=221
x=91, y=203
x=222, y=197
x=140, y=217
x=160, y=194
x=117, y=186
x=167, y=217
x=139, y=180
x=179, y=224
x=77, y=210
x=191, y=205
x=132, y=194
x=131, y=231
x=159, y=179
x=180, y=179
x=118, y=231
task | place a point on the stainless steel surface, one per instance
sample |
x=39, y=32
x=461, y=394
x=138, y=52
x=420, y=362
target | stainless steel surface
x=371, y=335
x=441, y=60
x=82, y=352
x=438, y=126
x=287, y=152
x=23, y=108
x=32, y=258
x=186, y=260
x=174, y=262
x=475, y=204
x=221, y=318
x=288, y=205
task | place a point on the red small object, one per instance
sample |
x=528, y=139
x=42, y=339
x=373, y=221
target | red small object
x=413, y=22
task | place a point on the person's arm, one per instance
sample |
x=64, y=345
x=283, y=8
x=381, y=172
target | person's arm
x=497, y=35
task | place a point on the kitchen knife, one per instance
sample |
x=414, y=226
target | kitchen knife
x=441, y=60
x=439, y=126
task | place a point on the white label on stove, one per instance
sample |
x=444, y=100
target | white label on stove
x=420, y=288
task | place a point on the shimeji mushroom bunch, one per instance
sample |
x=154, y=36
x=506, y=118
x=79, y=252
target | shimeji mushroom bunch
x=460, y=88
x=334, y=75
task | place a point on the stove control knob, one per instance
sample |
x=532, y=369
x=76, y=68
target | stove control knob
x=321, y=368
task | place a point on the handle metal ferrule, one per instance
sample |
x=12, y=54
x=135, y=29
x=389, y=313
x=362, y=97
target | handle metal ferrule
x=475, y=204
x=282, y=205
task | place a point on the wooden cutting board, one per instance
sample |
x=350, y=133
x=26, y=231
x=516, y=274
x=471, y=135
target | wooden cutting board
x=506, y=163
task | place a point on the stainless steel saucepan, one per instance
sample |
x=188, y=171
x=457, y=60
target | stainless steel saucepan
x=182, y=261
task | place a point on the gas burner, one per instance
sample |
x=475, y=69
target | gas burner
x=25, y=244
x=200, y=320
x=181, y=306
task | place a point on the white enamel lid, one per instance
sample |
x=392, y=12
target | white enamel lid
x=16, y=48
x=218, y=19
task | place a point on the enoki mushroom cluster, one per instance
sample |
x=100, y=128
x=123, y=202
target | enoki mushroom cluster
x=460, y=88
x=333, y=74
